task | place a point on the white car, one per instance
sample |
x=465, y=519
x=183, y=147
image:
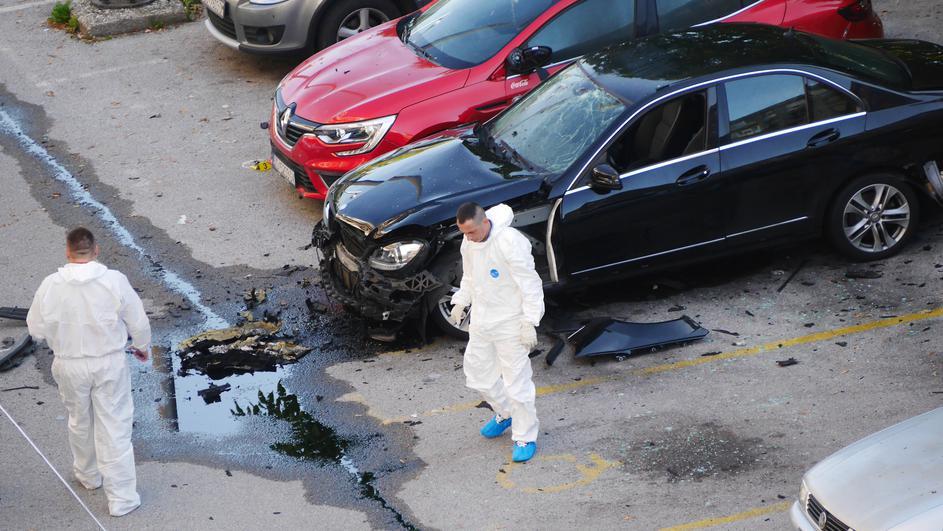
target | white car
x=891, y=480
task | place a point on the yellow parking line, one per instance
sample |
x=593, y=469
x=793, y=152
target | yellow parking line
x=733, y=354
x=745, y=515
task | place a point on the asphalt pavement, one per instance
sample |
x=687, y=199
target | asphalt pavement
x=144, y=139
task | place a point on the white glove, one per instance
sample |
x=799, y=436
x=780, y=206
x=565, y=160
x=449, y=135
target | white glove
x=528, y=336
x=457, y=314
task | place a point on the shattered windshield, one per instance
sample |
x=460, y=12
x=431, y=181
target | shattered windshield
x=465, y=33
x=556, y=123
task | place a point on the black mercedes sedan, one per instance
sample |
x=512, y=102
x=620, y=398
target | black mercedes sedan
x=655, y=153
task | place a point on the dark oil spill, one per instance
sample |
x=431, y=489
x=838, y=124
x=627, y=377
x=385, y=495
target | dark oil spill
x=313, y=441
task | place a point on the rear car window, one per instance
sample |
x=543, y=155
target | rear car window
x=586, y=27
x=765, y=104
x=826, y=102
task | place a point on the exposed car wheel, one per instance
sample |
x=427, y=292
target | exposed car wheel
x=873, y=217
x=440, y=301
x=350, y=17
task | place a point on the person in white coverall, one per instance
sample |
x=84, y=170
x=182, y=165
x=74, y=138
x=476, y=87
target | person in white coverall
x=506, y=296
x=85, y=312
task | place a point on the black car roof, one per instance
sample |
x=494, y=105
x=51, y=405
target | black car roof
x=637, y=68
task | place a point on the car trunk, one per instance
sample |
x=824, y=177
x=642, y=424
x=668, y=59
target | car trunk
x=923, y=60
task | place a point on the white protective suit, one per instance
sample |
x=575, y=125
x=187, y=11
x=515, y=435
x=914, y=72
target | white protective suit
x=501, y=285
x=85, y=313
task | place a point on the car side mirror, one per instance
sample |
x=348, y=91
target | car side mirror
x=605, y=179
x=526, y=60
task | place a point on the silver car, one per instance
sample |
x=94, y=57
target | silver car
x=284, y=26
x=892, y=480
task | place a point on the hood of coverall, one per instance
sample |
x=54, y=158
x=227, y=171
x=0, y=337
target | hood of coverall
x=82, y=273
x=501, y=217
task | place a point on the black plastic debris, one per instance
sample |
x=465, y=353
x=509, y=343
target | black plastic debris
x=14, y=350
x=606, y=336
x=555, y=351
x=14, y=313
x=212, y=393
x=787, y=363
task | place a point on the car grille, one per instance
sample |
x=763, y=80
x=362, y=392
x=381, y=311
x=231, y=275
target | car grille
x=353, y=239
x=224, y=25
x=815, y=510
x=292, y=133
x=301, y=176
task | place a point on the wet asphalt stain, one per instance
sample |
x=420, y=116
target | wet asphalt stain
x=383, y=452
x=694, y=452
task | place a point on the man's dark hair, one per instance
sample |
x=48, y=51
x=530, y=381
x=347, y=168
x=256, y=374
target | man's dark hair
x=81, y=241
x=470, y=210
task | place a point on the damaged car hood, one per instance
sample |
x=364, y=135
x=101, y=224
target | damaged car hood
x=426, y=182
x=366, y=76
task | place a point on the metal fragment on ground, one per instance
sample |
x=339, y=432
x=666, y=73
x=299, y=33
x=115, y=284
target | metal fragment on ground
x=250, y=347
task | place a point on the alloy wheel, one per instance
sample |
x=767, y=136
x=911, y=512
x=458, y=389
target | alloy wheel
x=445, y=308
x=876, y=218
x=360, y=20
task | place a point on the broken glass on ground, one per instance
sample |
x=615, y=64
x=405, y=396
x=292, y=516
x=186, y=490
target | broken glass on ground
x=247, y=348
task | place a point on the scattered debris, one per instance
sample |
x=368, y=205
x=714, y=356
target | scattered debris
x=535, y=353
x=842, y=343
x=35, y=387
x=253, y=297
x=708, y=354
x=212, y=393
x=14, y=350
x=728, y=332
x=249, y=347
x=182, y=220
x=863, y=274
x=484, y=405
x=677, y=308
x=787, y=363
x=555, y=351
x=792, y=276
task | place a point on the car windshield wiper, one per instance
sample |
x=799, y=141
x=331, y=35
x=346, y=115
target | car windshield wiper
x=421, y=52
x=407, y=28
x=513, y=156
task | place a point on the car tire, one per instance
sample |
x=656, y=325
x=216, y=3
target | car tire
x=449, y=270
x=355, y=16
x=865, y=227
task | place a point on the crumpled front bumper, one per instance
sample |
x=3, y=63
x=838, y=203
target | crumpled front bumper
x=369, y=292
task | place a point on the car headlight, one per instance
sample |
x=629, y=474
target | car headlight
x=266, y=2
x=804, y=495
x=395, y=255
x=369, y=133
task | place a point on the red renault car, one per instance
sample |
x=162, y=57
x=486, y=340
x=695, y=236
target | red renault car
x=463, y=61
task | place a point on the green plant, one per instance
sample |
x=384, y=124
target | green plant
x=73, y=24
x=157, y=25
x=61, y=12
x=191, y=8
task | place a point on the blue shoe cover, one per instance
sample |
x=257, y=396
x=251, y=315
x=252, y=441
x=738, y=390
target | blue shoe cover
x=523, y=452
x=494, y=428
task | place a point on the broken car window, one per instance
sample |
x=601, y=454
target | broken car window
x=556, y=123
x=465, y=33
x=765, y=104
x=669, y=131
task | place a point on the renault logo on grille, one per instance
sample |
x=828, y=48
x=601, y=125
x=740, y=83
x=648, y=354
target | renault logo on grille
x=285, y=118
x=823, y=519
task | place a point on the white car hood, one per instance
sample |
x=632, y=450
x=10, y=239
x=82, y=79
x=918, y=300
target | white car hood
x=891, y=478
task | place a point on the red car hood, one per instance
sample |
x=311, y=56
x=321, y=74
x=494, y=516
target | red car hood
x=366, y=76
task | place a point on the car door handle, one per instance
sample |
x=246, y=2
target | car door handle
x=694, y=176
x=825, y=137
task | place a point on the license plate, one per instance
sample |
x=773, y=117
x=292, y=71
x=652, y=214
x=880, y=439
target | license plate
x=216, y=6
x=284, y=170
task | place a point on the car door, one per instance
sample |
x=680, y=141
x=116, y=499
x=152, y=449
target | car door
x=784, y=144
x=584, y=27
x=669, y=204
x=680, y=14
